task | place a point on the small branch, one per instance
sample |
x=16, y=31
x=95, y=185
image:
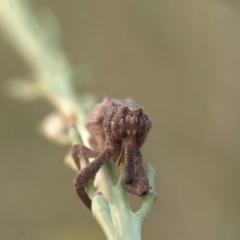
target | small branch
x=53, y=79
x=112, y=209
x=102, y=213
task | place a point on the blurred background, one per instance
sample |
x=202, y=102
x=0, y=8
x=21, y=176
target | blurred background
x=180, y=61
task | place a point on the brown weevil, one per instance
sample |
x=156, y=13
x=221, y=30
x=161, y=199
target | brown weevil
x=118, y=129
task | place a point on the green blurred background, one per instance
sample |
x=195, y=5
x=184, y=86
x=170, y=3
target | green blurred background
x=178, y=59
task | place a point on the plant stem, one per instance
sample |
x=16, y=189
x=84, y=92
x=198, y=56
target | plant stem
x=53, y=79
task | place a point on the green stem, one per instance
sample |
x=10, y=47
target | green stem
x=110, y=205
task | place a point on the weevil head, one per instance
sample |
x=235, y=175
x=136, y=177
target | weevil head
x=131, y=125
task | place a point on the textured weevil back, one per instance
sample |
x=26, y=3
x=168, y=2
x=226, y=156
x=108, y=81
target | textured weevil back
x=106, y=113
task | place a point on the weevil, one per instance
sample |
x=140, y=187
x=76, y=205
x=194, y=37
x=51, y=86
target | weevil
x=118, y=129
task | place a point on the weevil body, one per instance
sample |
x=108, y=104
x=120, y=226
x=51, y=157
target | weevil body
x=118, y=129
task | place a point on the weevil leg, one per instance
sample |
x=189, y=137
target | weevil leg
x=140, y=185
x=87, y=173
x=86, y=152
